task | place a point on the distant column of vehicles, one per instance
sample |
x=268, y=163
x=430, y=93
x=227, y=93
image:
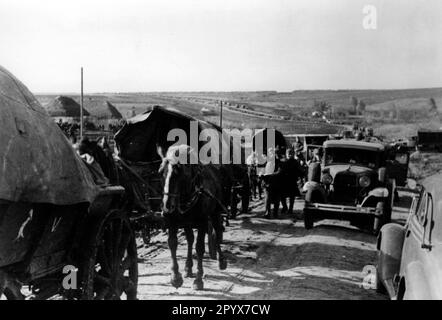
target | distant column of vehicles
x=425, y=140
x=357, y=181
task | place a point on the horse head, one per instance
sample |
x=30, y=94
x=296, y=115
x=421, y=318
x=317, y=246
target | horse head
x=180, y=177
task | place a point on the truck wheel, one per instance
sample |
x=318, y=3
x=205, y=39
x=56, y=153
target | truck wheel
x=379, y=285
x=380, y=219
x=308, y=220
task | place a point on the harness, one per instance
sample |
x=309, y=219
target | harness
x=194, y=197
x=198, y=191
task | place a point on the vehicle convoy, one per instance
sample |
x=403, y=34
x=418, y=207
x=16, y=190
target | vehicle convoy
x=429, y=140
x=409, y=260
x=53, y=215
x=355, y=181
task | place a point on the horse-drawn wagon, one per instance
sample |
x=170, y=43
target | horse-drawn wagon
x=202, y=199
x=138, y=142
x=60, y=233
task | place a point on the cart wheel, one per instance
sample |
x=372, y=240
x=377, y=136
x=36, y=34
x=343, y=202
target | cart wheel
x=211, y=241
x=111, y=266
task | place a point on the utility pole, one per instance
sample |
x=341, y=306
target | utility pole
x=81, y=106
x=221, y=115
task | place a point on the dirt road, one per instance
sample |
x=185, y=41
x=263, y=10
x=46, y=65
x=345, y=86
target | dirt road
x=270, y=259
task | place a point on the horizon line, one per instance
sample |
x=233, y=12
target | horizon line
x=227, y=91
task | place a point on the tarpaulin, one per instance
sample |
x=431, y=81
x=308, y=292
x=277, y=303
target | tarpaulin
x=37, y=162
x=138, y=139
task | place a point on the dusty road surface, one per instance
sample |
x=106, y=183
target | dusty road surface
x=270, y=259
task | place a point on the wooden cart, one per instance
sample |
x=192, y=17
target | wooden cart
x=42, y=244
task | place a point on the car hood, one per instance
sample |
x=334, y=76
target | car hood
x=334, y=169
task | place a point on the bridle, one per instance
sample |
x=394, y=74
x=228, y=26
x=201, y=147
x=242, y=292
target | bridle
x=192, y=200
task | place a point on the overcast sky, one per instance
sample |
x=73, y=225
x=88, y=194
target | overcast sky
x=225, y=45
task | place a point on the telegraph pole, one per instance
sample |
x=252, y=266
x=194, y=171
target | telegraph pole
x=81, y=106
x=221, y=115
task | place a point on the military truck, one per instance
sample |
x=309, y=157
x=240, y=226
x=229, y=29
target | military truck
x=354, y=181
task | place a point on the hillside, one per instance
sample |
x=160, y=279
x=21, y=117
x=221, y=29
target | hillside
x=253, y=109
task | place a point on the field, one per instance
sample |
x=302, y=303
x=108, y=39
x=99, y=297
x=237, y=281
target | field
x=289, y=112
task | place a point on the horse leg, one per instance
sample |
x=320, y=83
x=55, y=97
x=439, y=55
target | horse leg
x=284, y=204
x=276, y=201
x=176, y=279
x=200, y=246
x=222, y=261
x=233, y=204
x=245, y=199
x=189, y=262
x=260, y=187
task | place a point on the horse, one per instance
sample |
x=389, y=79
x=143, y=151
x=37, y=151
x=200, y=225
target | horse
x=191, y=199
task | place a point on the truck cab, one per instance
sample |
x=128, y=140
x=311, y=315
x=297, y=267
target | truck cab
x=352, y=182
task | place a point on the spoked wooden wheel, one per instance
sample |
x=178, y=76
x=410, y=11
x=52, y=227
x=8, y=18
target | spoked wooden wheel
x=111, y=270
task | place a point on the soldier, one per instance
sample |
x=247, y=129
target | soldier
x=316, y=157
x=291, y=171
x=252, y=163
x=272, y=185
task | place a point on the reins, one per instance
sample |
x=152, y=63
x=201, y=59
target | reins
x=142, y=180
x=193, y=199
x=199, y=190
x=195, y=195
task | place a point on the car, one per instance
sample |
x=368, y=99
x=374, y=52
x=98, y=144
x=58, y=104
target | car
x=410, y=256
x=355, y=181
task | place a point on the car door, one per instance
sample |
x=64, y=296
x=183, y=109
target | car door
x=416, y=255
x=413, y=230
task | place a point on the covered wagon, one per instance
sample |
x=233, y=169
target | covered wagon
x=137, y=143
x=54, y=220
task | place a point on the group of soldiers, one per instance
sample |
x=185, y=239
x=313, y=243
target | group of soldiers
x=71, y=129
x=278, y=174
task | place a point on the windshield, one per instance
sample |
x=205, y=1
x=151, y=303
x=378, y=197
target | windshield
x=366, y=158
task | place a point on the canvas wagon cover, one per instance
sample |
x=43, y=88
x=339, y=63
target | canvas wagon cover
x=37, y=162
x=137, y=141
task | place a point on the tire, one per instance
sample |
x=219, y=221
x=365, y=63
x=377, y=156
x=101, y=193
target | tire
x=308, y=220
x=379, y=220
x=379, y=285
x=362, y=223
x=110, y=253
x=383, y=219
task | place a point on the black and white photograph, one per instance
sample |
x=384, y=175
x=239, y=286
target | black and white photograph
x=220, y=156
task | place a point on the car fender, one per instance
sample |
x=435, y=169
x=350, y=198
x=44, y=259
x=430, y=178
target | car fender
x=390, y=243
x=374, y=196
x=416, y=283
x=311, y=187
